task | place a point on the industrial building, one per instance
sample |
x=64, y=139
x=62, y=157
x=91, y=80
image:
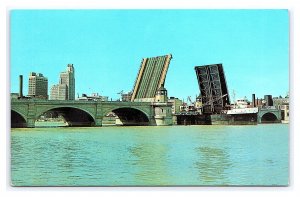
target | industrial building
x=176, y=104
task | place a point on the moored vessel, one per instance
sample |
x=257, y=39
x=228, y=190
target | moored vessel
x=239, y=114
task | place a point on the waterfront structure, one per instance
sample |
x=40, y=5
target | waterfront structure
x=269, y=114
x=162, y=108
x=151, y=76
x=213, y=88
x=283, y=104
x=161, y=95
x=279, y=101
x=126, y=96
x=37, y=85
x=236, y=116
x=24, y=112
x=285, y=113
x=65, y=90
x=93, y=97
x=176, y=103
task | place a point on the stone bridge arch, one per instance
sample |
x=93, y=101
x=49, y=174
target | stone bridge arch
x=269, y=116
x=27, y=111
x=17, y=119
x=128, y=115
x=73, y=115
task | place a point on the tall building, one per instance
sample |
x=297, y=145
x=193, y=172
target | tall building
x=38, y=86
x=150, y=78
x=68, y=78
x=65, y=90
x=59, y=92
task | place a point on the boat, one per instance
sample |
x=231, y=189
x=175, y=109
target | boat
x=239, y=114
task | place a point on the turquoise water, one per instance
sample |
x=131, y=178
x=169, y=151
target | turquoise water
x=150, y=156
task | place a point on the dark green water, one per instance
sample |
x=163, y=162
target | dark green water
x=151, y=156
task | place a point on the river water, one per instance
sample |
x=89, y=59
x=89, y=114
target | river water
x=201, y=155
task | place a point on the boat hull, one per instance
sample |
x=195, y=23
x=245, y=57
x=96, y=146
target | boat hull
x=234, y=119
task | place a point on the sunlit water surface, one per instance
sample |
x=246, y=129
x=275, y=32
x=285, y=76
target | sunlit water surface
x=151, y=156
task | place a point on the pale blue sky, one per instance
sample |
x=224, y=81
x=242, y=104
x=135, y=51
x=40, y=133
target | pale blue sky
x=107, y=46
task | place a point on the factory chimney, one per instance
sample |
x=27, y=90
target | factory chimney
x=253, y=100
x=21, y=86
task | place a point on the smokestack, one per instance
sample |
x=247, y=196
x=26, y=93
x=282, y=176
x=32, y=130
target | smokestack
x=253, y=100
x=269, y=100
x=21, y=86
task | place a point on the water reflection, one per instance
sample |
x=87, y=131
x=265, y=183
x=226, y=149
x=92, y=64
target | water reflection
x=150, y=156
x=212, y=165
x=48, y=159
x=150, y=162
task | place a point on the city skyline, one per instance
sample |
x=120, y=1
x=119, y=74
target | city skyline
x=107, y=46
x=65, y=89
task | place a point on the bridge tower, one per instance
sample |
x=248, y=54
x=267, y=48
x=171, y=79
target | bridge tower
x=162, y=109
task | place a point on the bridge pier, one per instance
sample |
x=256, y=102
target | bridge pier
x=276, y=113
x=98, y=122
x=30, y=122
x=162, y=114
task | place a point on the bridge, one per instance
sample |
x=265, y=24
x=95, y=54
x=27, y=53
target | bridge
x=269, y=114
x=24, y=112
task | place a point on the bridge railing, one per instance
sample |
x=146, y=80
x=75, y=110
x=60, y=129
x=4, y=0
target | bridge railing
x=76, y=102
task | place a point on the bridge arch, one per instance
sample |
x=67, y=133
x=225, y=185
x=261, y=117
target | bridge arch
x=269, y=117
x=130, y=116
x=17, y=119
x=74, y=116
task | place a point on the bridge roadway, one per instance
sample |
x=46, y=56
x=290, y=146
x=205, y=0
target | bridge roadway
x=25, y=112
